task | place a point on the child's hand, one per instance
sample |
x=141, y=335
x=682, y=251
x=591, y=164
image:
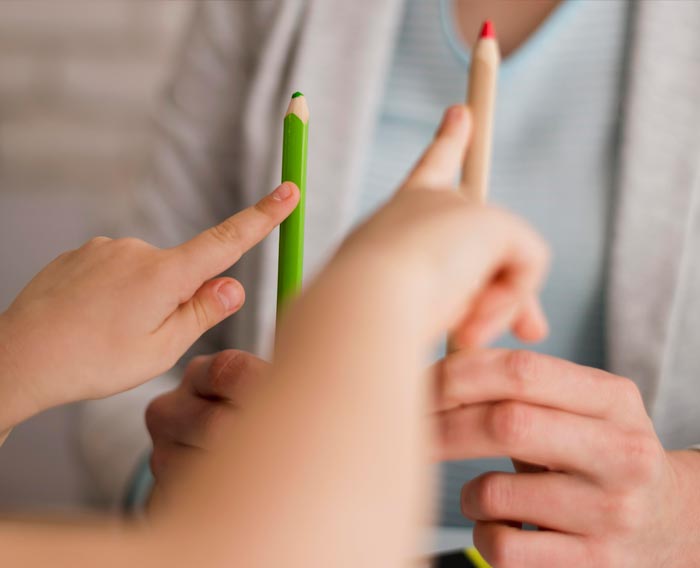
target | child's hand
x=115, y=313
x=479, y=262
x=190, y=418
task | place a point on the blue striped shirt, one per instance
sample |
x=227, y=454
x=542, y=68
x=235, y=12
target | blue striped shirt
x=554, y=156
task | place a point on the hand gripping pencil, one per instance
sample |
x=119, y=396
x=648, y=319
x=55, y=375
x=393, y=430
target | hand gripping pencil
x=291, y=247
x=481, y=99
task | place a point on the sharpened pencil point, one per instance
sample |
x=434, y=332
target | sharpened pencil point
x=487, y=30
x=297, y=94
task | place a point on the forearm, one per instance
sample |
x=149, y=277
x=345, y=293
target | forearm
x=342, y=420
x=343, y=428
x=86, y=542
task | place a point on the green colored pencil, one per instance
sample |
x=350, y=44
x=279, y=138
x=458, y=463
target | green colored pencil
x=294, y=153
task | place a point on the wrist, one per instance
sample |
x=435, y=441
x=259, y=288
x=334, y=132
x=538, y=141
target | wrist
x=15, y=388
x=686, y=468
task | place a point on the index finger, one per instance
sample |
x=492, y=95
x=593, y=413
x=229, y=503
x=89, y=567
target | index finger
x=439, y=165
x=467, y=378
x=217, y=249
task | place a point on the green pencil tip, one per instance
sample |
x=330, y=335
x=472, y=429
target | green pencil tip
x=297, y=94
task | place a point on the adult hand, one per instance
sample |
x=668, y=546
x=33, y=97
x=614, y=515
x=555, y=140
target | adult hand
x=115, y=313
x=188, y=419
x=606, y=491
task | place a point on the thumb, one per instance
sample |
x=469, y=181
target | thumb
x=213, y=302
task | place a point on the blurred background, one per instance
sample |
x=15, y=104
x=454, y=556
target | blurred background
x=79, y=81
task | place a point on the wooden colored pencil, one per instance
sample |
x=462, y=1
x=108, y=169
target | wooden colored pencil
x=481, y=97
x=294, y=157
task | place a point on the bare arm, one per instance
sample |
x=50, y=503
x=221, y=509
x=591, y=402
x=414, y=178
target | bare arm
x=342, y=417
x=196, y=180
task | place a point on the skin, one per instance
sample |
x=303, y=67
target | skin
x=618, y=500
x=515, y=20
x=604, y=487
x=336, y=424
x=591, y=468
x=179, y=421
x=593, y=472
x=640, y=511
x=156, y=304
x=187, y=420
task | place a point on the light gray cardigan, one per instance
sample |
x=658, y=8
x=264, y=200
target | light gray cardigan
x=220, y=152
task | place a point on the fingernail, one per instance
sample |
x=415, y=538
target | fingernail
x=283, y=192
x=229, y=295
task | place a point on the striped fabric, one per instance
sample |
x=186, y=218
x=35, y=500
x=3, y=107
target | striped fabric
x=554, y=140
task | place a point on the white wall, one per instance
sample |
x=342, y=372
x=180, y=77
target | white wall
x=78, y=83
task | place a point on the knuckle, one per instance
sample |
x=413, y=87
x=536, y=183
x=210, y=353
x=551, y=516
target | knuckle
x=509, y=423
x=233, y=372
x=522, y=365
x=622, y=513
x=640, y=457
x=130, y=243
x=96, y=241
x=231, y=361
x=504, y=553
x=628, y=392
x=227, y=232
x=494, y=495
x=262, y=207
x=227, y=368
x=199, y=311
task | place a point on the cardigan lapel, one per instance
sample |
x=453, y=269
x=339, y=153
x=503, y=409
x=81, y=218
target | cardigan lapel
x=659, y=165
x=342, y=75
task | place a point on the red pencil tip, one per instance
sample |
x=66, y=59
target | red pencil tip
x=487, y=30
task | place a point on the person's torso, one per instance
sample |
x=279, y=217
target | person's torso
x=555, y=136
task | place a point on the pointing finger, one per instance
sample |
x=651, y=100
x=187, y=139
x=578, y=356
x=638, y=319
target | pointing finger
x=215, y=250
x=439, y=165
